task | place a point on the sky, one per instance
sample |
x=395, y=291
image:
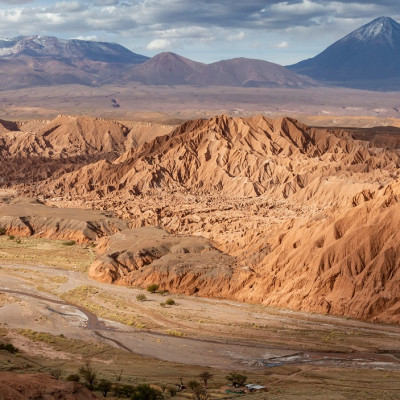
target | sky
x=283, y=32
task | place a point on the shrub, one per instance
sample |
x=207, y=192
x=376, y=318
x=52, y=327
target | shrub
x=2, y=230
x=152, y=288
x=8, y=347
x=146, y=392
x=73, y=378
x=162, y=304
x=175, y=333
x=69, y=243
x=170, y=302
x=141, y=297
x=11, y=237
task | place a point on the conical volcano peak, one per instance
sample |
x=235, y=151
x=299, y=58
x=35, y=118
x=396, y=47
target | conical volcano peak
x=382, y=26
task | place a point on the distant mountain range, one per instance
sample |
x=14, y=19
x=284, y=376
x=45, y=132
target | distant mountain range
x=368, y=58
x=41, y=60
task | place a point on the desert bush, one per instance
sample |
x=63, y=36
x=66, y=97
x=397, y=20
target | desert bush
x=8, y=347
x=73, y=378
x=69, y=243
x=2, y=230
x=170, y=302
x=141, y=297
x=162, y=304
x=11, y=237
x=174, y=333
x=152, y=288
x=146, y=392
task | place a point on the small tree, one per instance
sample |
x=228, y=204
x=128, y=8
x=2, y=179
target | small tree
x=104, y=386
x=198, y=390
x=152, y=288
x=236, y=379
x=205, y=376
x=88, y=375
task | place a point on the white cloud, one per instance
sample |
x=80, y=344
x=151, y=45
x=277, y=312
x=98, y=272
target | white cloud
x=159, y=44
x=282, y=45
x=90, y=37
x=237, y=36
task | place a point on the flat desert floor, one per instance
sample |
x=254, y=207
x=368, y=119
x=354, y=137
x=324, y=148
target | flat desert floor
x=170, y=104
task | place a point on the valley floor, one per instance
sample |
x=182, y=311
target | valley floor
x=206, y=332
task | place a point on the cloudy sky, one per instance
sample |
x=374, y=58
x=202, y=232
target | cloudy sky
x=204, y=30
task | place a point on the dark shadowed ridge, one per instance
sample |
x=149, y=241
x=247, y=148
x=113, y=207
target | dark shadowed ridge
x=368, y=58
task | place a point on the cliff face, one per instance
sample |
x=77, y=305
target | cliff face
x=258, y=210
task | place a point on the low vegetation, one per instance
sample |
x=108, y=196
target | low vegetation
x=152, y=288
x=69, y=243
x=8, y=347
x=52, y=253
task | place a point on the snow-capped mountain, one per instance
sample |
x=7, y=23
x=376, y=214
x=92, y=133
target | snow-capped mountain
x=27, y=61
x=49, y=46
x=367, y=58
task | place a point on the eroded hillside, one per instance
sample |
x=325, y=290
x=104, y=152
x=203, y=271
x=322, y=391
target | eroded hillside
x=269, y=211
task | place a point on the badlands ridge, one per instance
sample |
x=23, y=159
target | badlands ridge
x=257, y=210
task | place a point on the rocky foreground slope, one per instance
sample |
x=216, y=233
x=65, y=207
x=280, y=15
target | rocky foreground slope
x=40, y=386
x=259, y=210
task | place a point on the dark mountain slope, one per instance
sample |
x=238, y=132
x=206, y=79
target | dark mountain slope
x=367, y=58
